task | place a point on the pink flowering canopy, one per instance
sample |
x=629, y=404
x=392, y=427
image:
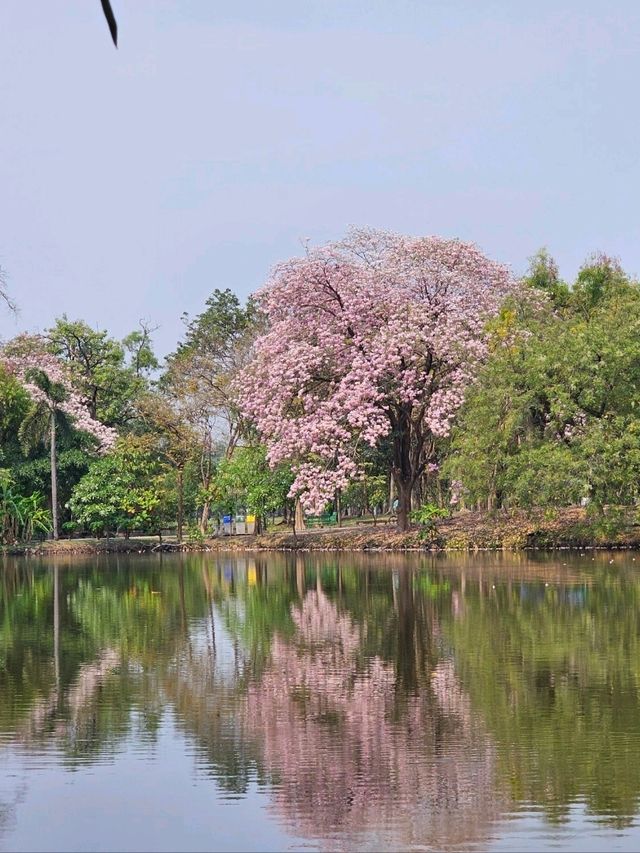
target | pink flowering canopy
x=376, y=336
x=27, y=354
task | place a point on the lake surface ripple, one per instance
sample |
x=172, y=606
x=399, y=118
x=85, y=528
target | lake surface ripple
x=322, y=702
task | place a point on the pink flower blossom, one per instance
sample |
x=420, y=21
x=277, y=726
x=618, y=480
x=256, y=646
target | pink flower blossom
x=26, y=354
x=370, y=336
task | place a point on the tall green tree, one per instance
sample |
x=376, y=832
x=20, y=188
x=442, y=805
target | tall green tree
x=174, y=439
x=109, y=375
x=245, y=481
x=203, y=377
x=41, y=425
x=122, y=491
x=555, y=415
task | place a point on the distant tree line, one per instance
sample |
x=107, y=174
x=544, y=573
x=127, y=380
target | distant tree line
x=381, y=374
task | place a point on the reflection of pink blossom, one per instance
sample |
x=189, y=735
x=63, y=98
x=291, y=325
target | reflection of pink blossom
x=350, y=757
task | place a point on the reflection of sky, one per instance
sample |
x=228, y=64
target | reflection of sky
x=227, y=653
x=164, y=804
x=185, y=788
x=167, y=805
x=528, y=830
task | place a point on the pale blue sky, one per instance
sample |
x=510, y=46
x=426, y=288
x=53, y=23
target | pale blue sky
x=220, y=135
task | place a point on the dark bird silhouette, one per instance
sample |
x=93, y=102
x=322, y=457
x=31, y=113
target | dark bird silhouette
x=111, y=20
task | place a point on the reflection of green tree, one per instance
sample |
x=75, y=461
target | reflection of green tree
x=254, y=612
x=552, y=671
x=143, y=612
x=111, y=610
x=127, y=648
x=555, y=672
x=26, y=649
x=27, y=670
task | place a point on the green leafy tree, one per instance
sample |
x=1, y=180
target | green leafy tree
x=367, y=493
x=203, y=376
x=176, y=442
x=544, y=275
x=108, y=382
x=245, y=481
x=44, y=419
x=139, y=348
x=20, y=515
x=554, y=417
x=123, y=491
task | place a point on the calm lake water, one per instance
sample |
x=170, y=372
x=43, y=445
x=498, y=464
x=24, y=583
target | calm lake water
x=276, y=702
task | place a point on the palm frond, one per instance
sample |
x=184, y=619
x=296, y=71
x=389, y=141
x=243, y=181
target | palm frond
x=35, y=427
x=111, y=20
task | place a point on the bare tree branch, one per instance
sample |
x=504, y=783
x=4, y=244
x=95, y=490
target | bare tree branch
x=11, y=305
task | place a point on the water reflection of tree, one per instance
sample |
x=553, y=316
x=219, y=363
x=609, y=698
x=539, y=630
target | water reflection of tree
x=555, y=672
x=64, y=635
x=358, y=745
x=343, y=674
x=94, y=655
x=112, y=650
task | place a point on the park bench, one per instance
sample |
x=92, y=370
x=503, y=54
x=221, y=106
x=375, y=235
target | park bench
x=326, y=520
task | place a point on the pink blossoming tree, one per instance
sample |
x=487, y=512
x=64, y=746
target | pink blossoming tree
x=373, y=339
x=49, y=385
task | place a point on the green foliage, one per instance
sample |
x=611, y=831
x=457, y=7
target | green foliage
x=21, y=516
x=14, y=404
x=138, y=346
x=428, y=514
x=543, y=275
x=600, y=278
x=553, y=418
x=121, y=491
x=194, y=535
x=247, y=482
x=368, y=492
x=219, y=326
x=98, y=364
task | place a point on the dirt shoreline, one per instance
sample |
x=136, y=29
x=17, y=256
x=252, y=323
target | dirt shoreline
x=463, y=532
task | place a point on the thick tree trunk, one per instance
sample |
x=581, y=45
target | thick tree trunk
x=54, y=477
x=298, y=523
x=407, y=450
x=338, y=510
x=404, y=504
x=204, y=518
x=180, y=518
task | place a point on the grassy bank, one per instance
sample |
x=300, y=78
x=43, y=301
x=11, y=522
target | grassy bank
x=464, y=531
x=91, y=546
